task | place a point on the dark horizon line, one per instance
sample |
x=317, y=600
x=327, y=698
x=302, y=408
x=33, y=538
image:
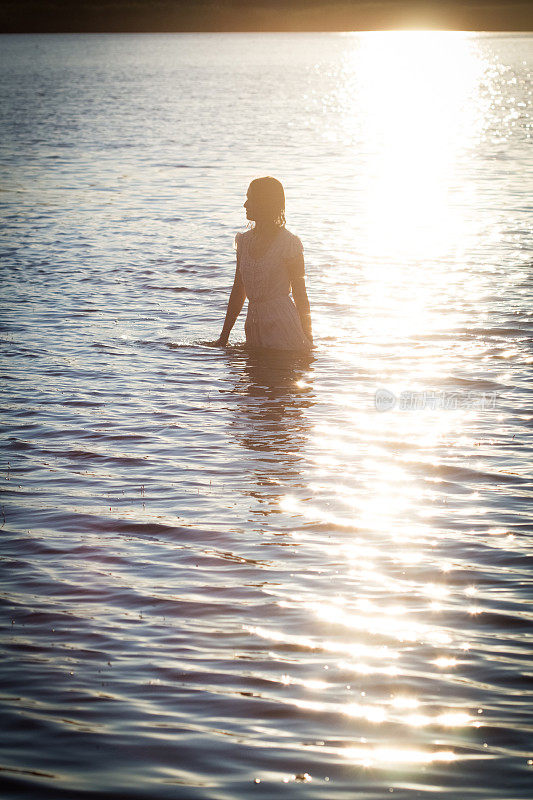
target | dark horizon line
x=256, y=16
x=73, y=32
x=53, y=29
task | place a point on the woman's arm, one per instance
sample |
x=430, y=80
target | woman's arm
x=235, y=304
x=296, y=269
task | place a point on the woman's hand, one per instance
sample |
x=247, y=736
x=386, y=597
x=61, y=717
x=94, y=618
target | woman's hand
x=235, y=304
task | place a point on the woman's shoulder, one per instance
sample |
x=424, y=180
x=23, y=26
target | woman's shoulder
x=242, y=235
x=293, y=244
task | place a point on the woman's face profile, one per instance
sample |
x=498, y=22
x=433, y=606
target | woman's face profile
x=249, y=205
x=257, y=207
x=262, y=203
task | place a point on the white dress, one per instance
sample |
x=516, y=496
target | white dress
x=272, y=320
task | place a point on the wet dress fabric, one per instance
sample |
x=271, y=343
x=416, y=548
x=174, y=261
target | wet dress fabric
x=272, y=320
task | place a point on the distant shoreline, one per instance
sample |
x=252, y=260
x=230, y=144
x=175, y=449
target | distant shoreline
x=263, y=16
x=510, y=32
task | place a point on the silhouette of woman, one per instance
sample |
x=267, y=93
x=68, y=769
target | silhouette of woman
x=270, y=264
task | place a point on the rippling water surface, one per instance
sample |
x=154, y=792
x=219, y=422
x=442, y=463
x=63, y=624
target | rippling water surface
x=227, y=576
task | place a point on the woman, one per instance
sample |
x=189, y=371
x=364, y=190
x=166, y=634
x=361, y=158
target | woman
x=270, y=264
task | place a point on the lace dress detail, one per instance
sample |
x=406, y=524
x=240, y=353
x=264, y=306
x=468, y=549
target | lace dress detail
x=272, y=319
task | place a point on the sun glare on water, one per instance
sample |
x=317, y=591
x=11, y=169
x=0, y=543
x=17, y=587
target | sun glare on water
x=415, y=105
x=411, y=108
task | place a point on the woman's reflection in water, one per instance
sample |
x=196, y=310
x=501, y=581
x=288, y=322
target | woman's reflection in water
x=273, y=394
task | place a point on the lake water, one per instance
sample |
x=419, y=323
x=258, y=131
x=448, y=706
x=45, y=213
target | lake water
x=226, y=575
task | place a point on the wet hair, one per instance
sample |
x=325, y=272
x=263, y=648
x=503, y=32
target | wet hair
x=271, y=197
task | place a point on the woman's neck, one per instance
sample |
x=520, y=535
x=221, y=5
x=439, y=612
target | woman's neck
x=265, y=228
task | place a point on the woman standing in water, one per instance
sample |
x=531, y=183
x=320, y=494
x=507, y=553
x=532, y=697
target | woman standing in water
x=270, y=264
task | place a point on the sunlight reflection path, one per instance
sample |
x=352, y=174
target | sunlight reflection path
x=411, y=106
x=415, y=96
